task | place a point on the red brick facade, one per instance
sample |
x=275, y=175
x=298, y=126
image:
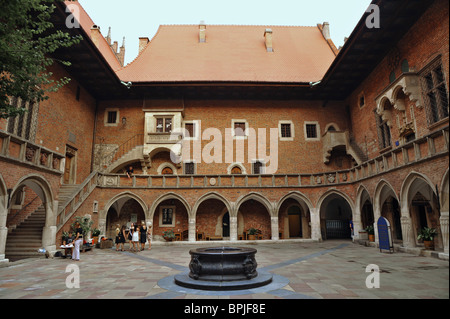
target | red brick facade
x=298, y=200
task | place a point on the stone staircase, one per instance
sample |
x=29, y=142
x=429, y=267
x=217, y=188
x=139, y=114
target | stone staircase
x=25, y=240
x=65, y=193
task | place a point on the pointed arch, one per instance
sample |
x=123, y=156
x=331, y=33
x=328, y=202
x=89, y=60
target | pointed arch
x=412, y=184
x=124, y=195
x=211, y=195
x=444, y=196
x=302, y=199
x=167, y=196
x=257, y=197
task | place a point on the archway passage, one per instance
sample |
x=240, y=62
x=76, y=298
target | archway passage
x=212, y=220
x=424, y=209
x=26, y=220
x=123, y=212
x=390, y=209
x=294, y=219
x=254, y=215
x=170, y=214
x=335, y=216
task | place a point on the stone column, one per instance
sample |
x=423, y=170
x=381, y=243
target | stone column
x=192, y=232
x=49, y=238
x=316, y=233
x=444, y=230
x=3, y=236
x=407, y=231
x=3, y=228
x=102, y=226
x=356, y=229
x=233, y=228
x=274, y=228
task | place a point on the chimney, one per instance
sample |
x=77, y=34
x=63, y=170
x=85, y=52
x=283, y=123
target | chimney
x=326, y=30
x=268, y=40
x=95, y=34
x=121, y=54
x=142, y=43
x=202, y=32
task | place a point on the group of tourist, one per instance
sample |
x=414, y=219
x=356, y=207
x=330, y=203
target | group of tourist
x=137, y=237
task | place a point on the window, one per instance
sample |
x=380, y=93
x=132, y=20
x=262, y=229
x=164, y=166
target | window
x=286, y=130
x=112, y=117
x=239, y=128
x=258, y=167
x=190, y=129
x=189, y=168
x=236, y=170
x=163, y=124
x=361, y=100
x=384, y=132
x=23, y=125
x=167, y=171
x=311, y=130
x=435, y=92
x=167, y=216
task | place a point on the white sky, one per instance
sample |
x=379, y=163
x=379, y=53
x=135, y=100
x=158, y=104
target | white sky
x=141, y=18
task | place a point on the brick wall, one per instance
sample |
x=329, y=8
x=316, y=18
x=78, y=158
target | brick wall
x=427, y=39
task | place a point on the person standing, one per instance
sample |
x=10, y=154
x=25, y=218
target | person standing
x=78, y=241
x=120, y=241
x=143, y=235
x=135, y=239
x=130, y=235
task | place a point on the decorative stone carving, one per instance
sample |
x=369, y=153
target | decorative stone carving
x=29, y=154
x=331, y=178
x=318, y=180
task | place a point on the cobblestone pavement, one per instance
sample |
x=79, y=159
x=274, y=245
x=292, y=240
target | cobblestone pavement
x=330, y=269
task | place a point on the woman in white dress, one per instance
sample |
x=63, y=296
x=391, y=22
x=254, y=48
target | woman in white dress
x=135, y=239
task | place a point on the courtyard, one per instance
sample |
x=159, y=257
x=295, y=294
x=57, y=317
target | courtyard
x=333, y=269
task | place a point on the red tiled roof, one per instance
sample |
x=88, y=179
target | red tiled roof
x=232, y=53
x=86, y=23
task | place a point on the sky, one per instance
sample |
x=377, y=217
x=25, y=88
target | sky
x=141, y=18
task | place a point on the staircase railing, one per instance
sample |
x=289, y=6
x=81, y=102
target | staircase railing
x=122, y=149
x=76, y=199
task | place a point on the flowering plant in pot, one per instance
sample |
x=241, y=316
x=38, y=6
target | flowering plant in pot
x=427, y=235
x=169, y=235
x=371, y=232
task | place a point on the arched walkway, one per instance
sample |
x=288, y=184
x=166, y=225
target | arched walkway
x=335, y=210
x=170, y=212
x=386, y=205
x=213, y=217
x=30, y=210
x=419, y=199
x=256, y=212
x=294, y=216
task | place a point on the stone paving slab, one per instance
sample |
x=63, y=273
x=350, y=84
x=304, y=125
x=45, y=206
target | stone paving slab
x=326, y=270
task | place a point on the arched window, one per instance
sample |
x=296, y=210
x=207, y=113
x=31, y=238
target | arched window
x=167, y=171
x=236, y=170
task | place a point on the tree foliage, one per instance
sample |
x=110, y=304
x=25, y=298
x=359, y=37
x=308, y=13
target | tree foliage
x=27, y=39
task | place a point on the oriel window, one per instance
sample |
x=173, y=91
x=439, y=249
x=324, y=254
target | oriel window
x=435, y=92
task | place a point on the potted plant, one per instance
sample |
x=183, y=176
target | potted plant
x=95, y=234
x=427, y=235
x=252, y=233
x=169, y=235
x=371, y=232
x=85, y=224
